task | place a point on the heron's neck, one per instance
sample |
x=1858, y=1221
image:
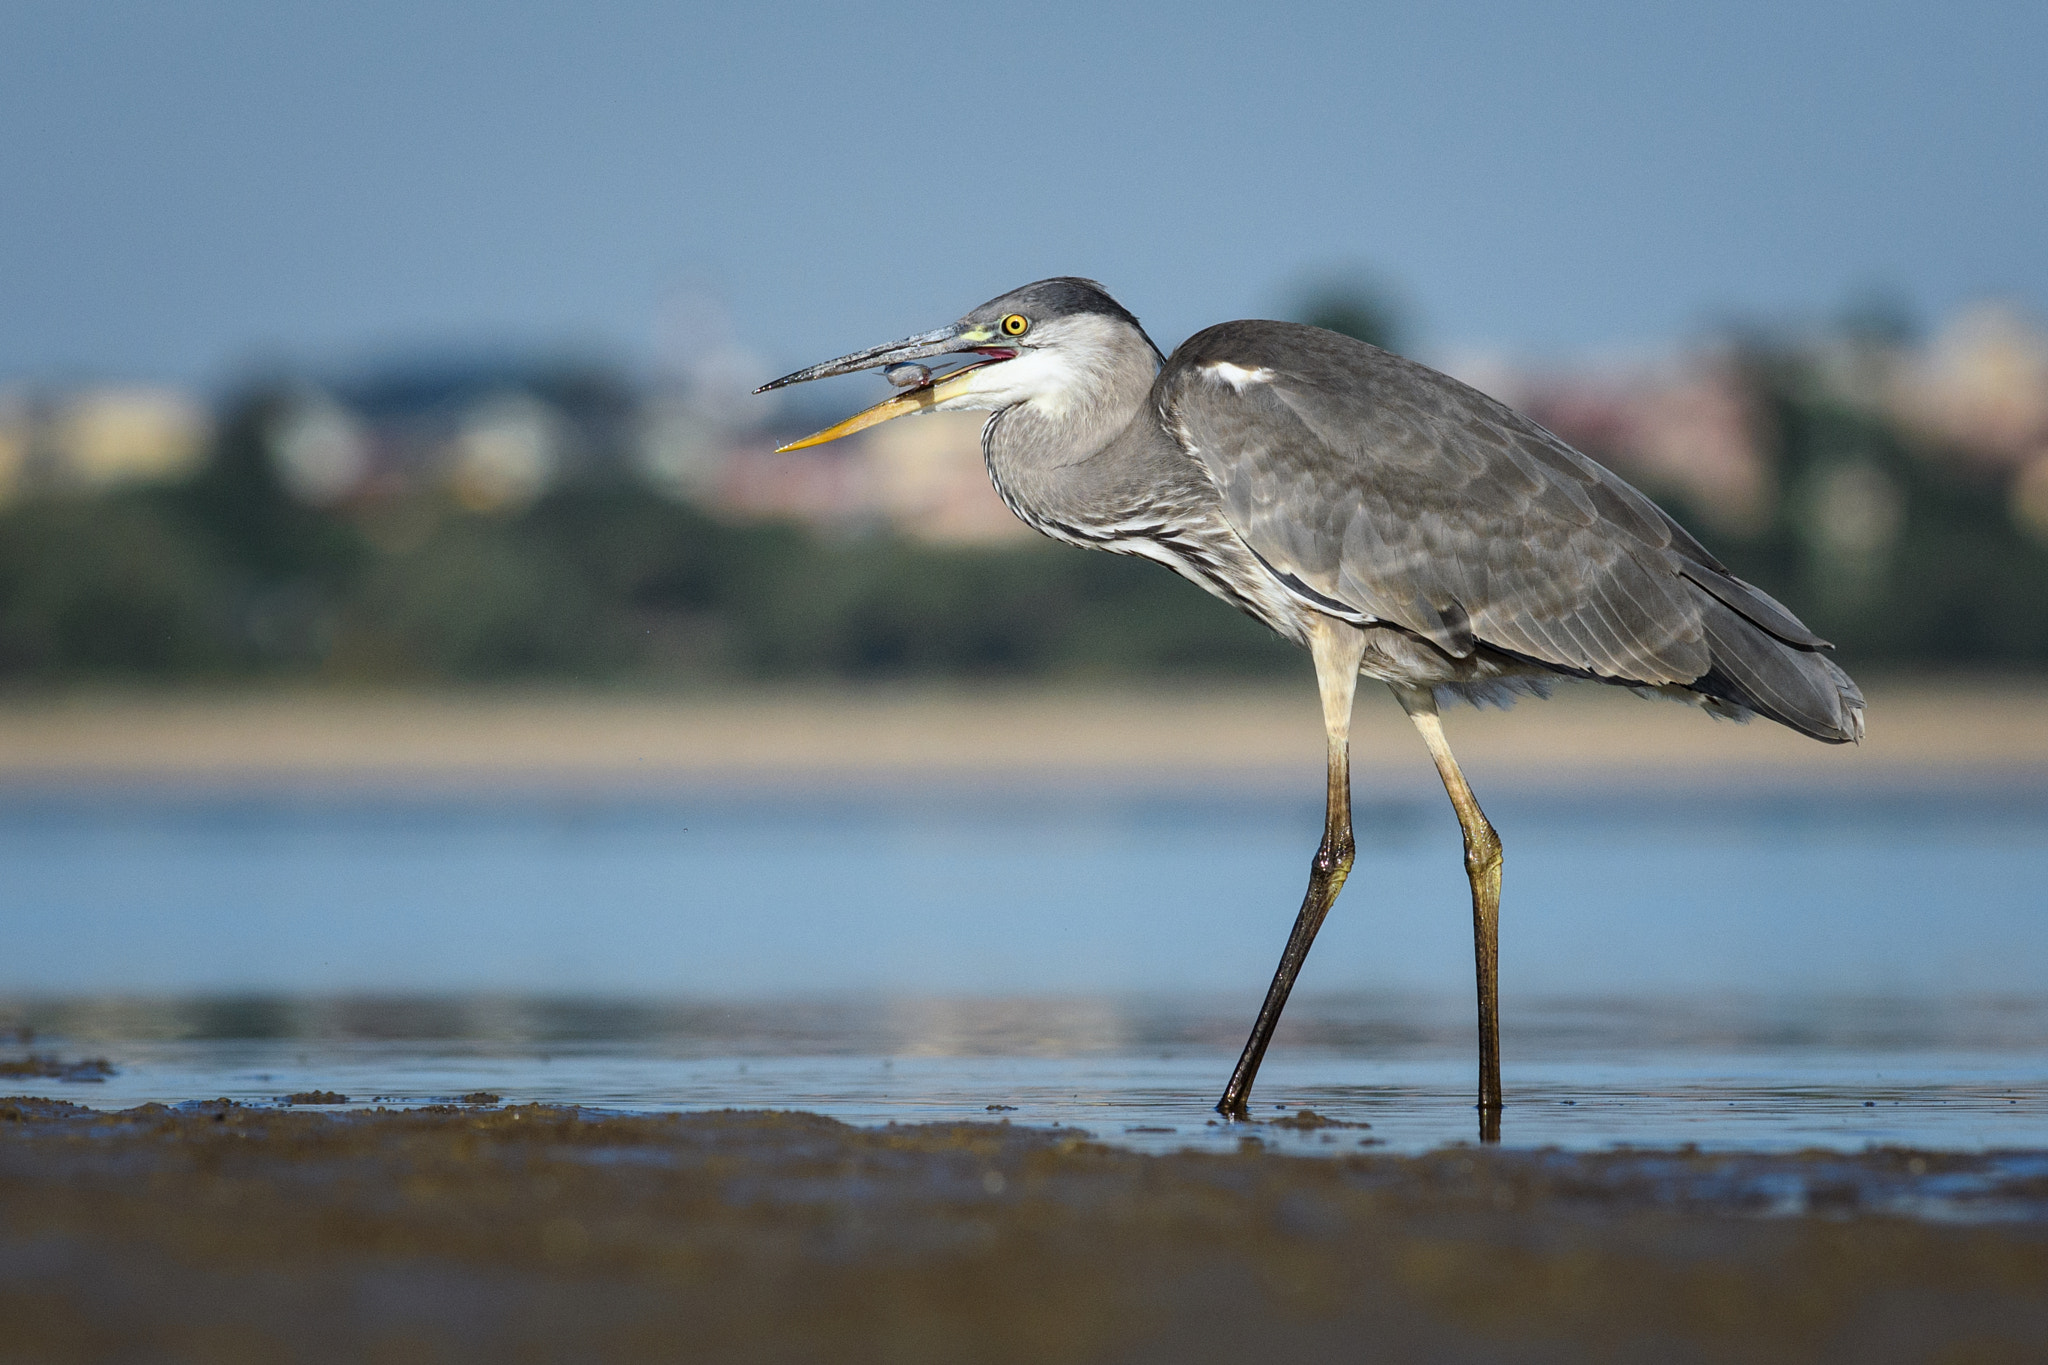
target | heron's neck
x=1087, y=461
x=1078, y=398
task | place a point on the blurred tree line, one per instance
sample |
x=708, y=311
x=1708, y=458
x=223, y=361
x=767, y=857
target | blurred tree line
x=1893, y=548
x=1897, y=557
x=226, y=576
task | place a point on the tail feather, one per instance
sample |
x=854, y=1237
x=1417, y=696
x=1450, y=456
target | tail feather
x=1755, y=670
x=1754, y=604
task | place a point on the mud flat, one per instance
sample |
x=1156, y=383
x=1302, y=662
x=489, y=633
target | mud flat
x=214, y=1232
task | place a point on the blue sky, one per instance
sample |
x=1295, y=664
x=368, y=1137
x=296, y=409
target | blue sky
x=189, y=189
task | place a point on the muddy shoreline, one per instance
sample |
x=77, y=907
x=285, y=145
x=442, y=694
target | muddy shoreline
x=468, y=1232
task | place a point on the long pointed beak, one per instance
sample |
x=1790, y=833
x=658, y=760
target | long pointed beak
x=923, y=398
x=910, y=348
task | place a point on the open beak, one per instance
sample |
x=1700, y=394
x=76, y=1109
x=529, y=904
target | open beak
x=946, y=340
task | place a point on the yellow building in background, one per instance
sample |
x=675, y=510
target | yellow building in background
x=92, y=440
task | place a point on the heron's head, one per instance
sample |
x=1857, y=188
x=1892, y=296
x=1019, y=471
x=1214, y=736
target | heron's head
x=1055, y=343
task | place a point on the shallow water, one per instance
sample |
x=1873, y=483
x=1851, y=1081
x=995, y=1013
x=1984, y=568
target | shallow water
x=1759, y=971
x=1587, y=1076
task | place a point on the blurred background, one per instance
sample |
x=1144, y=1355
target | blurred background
x=399, y=590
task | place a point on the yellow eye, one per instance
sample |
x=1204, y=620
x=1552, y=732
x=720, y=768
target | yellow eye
x=1016, y=325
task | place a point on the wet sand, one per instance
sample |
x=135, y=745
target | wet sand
x=469, y=1232
x=1962, y=730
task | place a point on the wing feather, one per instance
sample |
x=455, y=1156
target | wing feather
x=1419, y=501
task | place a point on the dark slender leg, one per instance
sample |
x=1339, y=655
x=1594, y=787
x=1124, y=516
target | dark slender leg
x=1337, y=649
x=1482, y=868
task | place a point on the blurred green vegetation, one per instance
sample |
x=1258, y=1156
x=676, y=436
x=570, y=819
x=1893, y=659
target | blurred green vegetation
x=226, y=577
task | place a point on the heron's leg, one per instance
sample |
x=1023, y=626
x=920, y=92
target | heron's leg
x=1337, y=649
x=1482, y=867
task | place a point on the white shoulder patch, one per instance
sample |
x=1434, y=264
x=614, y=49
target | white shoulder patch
x=1237, y=376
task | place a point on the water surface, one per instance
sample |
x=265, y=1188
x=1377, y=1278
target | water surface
x=1019, y=892
x=1736, y=1074
x=1752, y=970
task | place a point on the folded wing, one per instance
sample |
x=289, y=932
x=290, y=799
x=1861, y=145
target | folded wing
x=1412, y=499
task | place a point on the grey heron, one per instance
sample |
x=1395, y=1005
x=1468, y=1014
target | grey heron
x=1397, y=523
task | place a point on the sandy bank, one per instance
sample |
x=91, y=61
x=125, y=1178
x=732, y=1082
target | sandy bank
x=1960, y=731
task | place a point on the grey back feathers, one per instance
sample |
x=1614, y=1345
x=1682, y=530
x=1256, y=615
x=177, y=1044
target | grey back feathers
x=1421, y=502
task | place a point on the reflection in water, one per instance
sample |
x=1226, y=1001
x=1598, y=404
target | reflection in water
x=1397, y=1025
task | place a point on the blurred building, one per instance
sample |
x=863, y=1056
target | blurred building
x=498, y=437
x=1687, y=424
x=495, y=436
x=90, y=440
x=1975, y=394
x=1980, y=385
x=1980, y=389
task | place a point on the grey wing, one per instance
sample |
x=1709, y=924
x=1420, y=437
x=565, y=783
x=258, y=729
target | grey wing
x=1410, y=498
